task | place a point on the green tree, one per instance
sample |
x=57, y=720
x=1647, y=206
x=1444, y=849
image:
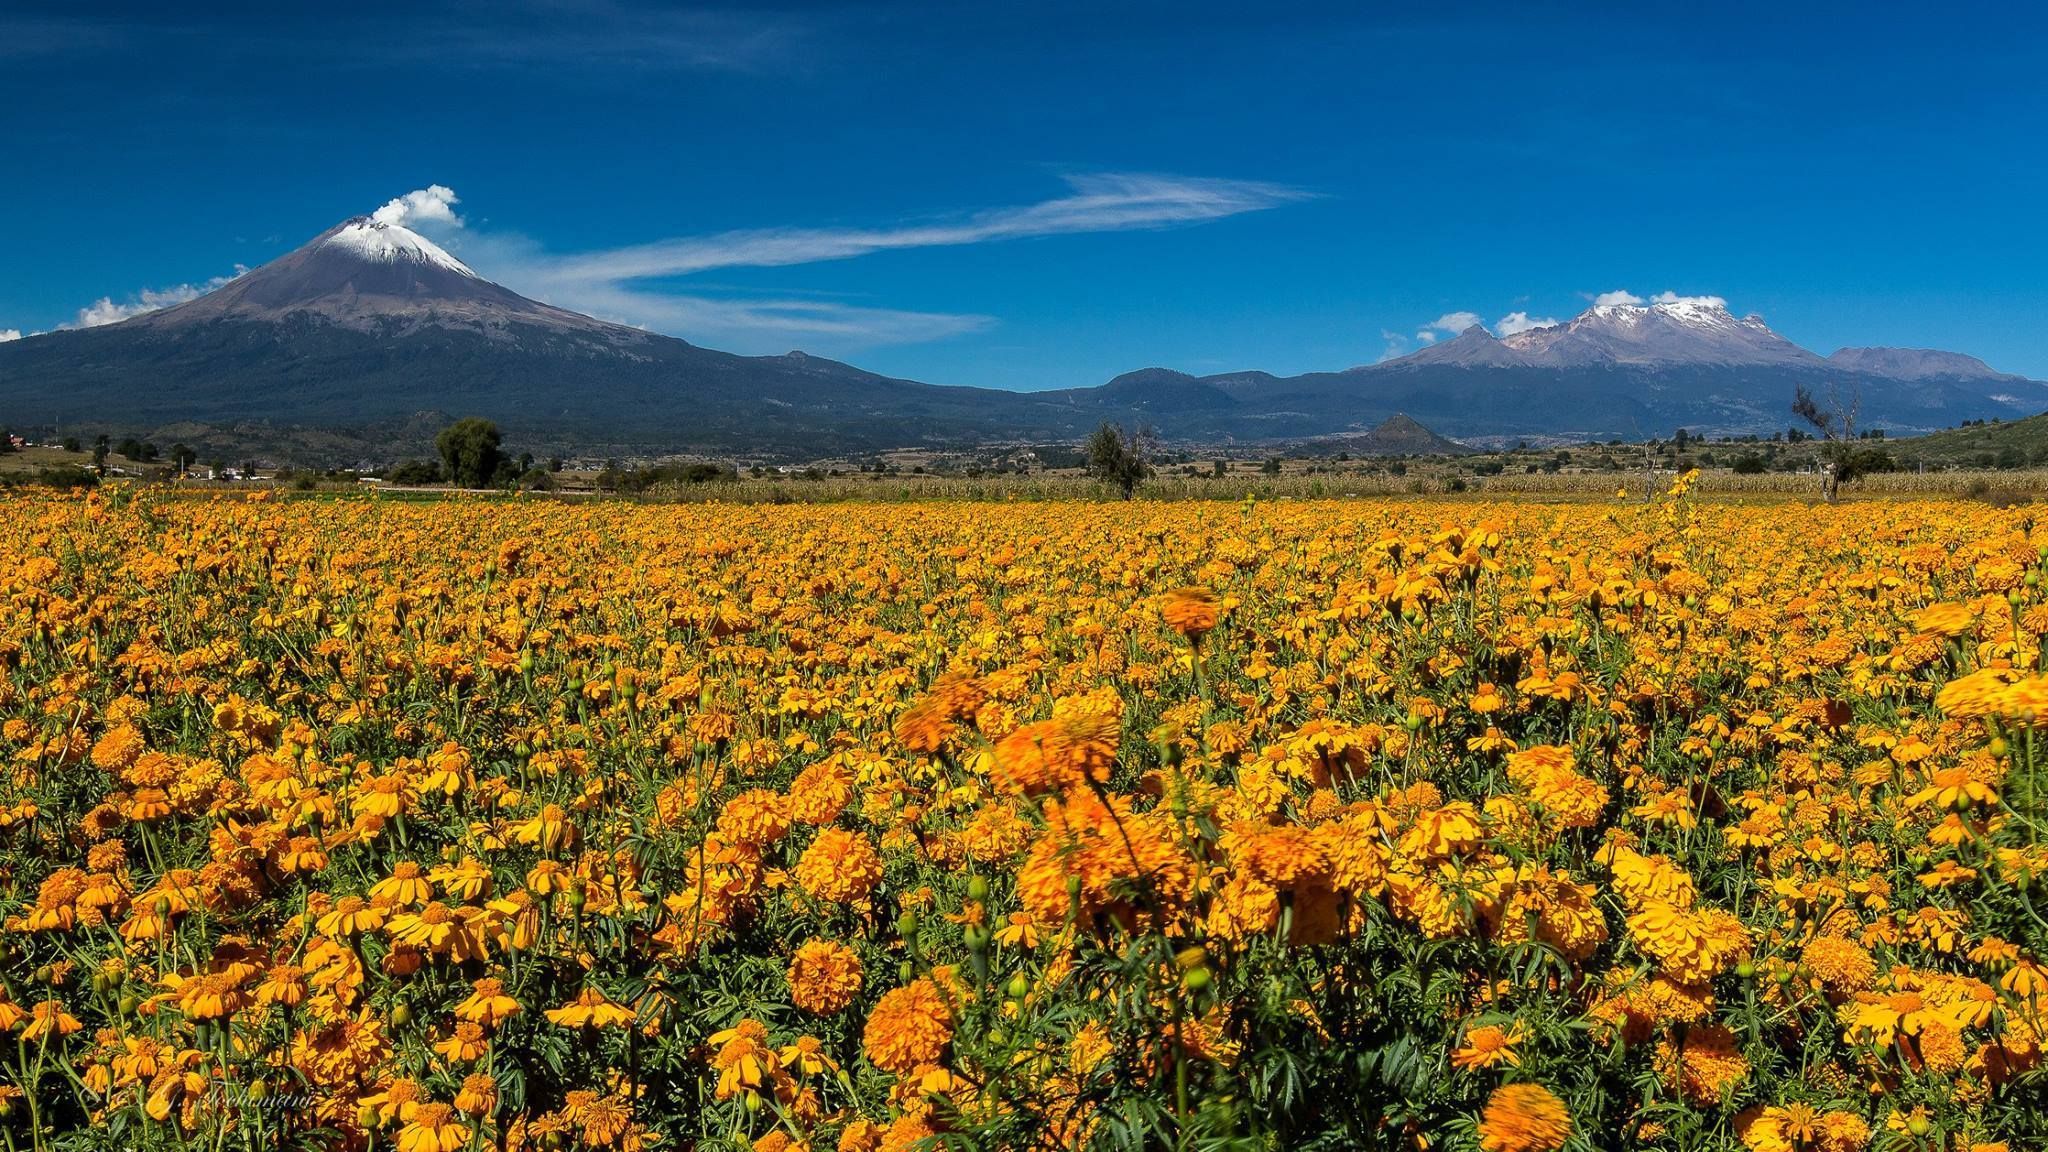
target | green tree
x=183, y=458
x=469, y=451
x=1119, y=458
x=414, y=472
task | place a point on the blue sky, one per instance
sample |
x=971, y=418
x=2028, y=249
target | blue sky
x=1045, y=195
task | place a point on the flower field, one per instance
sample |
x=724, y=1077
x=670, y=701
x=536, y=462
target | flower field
x=1297, y=825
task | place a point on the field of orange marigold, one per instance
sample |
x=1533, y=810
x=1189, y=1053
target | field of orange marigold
x=514, y=825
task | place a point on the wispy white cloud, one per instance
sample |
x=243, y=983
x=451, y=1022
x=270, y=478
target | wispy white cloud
x=1618, y=296
x=1397, y=345
x=8, y=334
x=722, y=320
x=1517, y=322
x=615, y=284
x=1102, y=203
x=432, y=206
x=106, y=310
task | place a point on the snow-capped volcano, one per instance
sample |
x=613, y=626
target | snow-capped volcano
x=1689, y=330
x=1682, y=330
x=374, y=275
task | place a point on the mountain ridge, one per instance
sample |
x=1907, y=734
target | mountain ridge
x=369, y=323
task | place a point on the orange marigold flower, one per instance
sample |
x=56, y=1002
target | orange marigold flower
x=1524, y=1118
x=840, y=867
x=909, y=1027
x=407, y=886
x=824, y=976
x=1053, y=755
x=757, y=817
x=1841, y=965
x=550, y=831
x=1191, y=611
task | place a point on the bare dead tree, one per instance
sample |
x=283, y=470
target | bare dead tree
x=1836, y=422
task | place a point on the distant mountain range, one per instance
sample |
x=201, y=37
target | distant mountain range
x=370, y=332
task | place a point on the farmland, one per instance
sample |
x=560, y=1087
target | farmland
x=1375, y=823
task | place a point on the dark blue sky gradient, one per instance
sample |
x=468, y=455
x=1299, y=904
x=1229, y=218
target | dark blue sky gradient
x=1858, y=174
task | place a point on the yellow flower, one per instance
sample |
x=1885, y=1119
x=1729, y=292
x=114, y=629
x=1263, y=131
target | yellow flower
x=487, y=1004
x=284, y=985
x=352, y=916
x=407, y=886
x=807, y=1057
x=1489, y=1045
x=744, y=1060
x=49, y=1019
x=479, y=1094
x=1955, y=788
x=1019, y=930
x=1842, y=966
x=464, y=1045
x=550, y=831
x=590, y=1009
x=211, y=996
x=433, y=1128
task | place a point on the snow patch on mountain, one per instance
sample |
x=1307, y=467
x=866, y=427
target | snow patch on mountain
x=379, y=242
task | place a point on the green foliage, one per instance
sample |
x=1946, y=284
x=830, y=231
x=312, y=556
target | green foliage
x=617, y=479
x=469, y=451
x=65, y=476
x=1119, y=458
x=416, y=472
x=1853, y=460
